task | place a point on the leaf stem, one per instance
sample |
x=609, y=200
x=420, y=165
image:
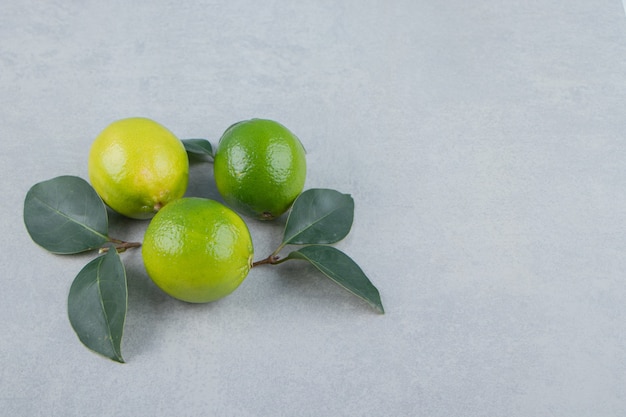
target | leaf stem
x=275, y=253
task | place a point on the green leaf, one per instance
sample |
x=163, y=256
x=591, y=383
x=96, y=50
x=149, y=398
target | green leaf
x=319, y=216
x=199, y=147
x=340, y=268
x=65, y=215
x=97, y=305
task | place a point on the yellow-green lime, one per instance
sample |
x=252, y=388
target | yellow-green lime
x=138, y=166
x=259, y=168
x=197, y=250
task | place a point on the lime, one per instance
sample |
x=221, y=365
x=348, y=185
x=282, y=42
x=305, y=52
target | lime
x=197, y=250
x=137, y=166
x=259, y=168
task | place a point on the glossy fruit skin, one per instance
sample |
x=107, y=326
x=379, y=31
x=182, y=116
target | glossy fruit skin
x=259, y=168
x=137, y=166
x=197, y=250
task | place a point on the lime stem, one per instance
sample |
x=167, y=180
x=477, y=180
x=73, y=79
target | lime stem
x=120, y=245
x=271, y=260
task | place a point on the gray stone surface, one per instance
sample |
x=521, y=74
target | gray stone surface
x=483, y=143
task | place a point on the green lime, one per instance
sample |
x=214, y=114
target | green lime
x=197, y=250
x=137, y=166
x=259, y=168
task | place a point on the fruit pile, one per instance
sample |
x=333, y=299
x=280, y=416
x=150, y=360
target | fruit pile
x=195, y=249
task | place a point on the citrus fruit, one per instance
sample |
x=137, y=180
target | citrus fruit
x=259, y=168
x=197, y=250
x=137, y=166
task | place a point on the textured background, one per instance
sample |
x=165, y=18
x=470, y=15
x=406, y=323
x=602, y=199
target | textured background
x=483, y=143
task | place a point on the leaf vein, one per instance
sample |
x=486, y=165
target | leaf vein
x=109, y=333
x=313, y=223
x=69, y=219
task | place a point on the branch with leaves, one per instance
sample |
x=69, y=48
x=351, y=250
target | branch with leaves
x=65, y=215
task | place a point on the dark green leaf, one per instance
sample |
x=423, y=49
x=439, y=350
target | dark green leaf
x=97, y=304
x=65, y=215
x=198, y=147
x=319, y=216
x=339, y=267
